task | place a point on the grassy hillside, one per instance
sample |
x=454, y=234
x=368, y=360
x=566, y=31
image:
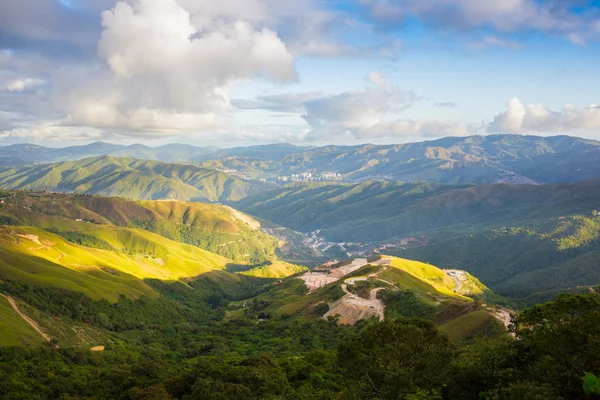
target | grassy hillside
x=408, y=289
x=557, y=254
x=518, y=239
x=216, y=228
x=274, y=270
x=132, y=178
x=14, y=330
x=97, y=245
x=378, y=211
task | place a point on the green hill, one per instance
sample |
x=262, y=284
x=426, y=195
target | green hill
x=130, y=178
x=406, y=288
x=67, y=259
x=518, y=239
x=106, y=247
x=216, y=228
x=451, y=160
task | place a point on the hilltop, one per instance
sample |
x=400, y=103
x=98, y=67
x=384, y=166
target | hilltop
x=132, y=178
x=453, y=160
x=382, y=287
x=515, y=238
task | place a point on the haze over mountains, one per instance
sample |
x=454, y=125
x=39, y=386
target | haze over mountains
x=474, y=159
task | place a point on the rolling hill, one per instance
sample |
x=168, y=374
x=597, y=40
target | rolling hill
x=400, y=287
x=516, y=238
x=87, y=219
x=66, y=259
x=130, y=178
x=452, y=160
x=20, y=154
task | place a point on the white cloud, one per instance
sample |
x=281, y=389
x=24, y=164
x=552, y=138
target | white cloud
x=357, y=110
x=504, y=16
x=22, y=84
x=284, y=102
x=167, y=74
x=371, y=113
x=51, y=131
x=536, y=118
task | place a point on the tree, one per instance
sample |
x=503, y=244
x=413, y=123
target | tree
x=394, y=359
x=564, y=338
x=154, y=392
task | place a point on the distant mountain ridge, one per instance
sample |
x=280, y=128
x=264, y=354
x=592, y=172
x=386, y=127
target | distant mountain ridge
x=452, y=160
x=133, y=178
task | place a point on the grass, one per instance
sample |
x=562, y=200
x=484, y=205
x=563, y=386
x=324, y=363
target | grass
x=140, y=254
x=277, y=269
x=423, y=277
x=14, y=331
x=469, y=326
x=216, y=228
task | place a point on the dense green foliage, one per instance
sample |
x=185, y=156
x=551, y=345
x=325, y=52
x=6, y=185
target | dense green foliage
x=543, y=258
x=82, y=239
x=557, y=344
x=131, y=178
x=517, y=239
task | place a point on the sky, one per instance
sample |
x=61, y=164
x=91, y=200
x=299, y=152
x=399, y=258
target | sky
x=240, y=72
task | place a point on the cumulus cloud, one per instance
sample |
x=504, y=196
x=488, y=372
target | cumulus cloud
x=505, y=16
x=163, y=66
x=537, y=118
x=357, y=110
x=359, y=114
x=168, y=74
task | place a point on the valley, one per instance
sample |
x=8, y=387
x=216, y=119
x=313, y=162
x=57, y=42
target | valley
x=299, y=200
x=301, y=269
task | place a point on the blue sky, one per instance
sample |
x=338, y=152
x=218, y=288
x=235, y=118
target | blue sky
x=235, y=72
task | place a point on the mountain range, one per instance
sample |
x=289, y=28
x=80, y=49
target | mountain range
x=473, y=159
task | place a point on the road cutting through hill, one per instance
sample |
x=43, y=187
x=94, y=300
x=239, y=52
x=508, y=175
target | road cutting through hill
x=30, y=321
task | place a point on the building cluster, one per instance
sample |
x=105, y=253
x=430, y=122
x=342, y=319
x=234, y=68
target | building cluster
x=309, y=176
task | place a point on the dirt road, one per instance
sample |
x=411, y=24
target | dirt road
x=316, y=280
x=456, y=275
x=31, y=322
x=352, y=308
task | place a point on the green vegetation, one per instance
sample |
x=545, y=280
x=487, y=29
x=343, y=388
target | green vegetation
x=517, y=239
x=14, y=330
x=82, y=239
x=91, y=244
x=471, y=325
x=132, y=178
x=277, y=269
x=214, y=358
x=216, y=228
x=551, y=256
